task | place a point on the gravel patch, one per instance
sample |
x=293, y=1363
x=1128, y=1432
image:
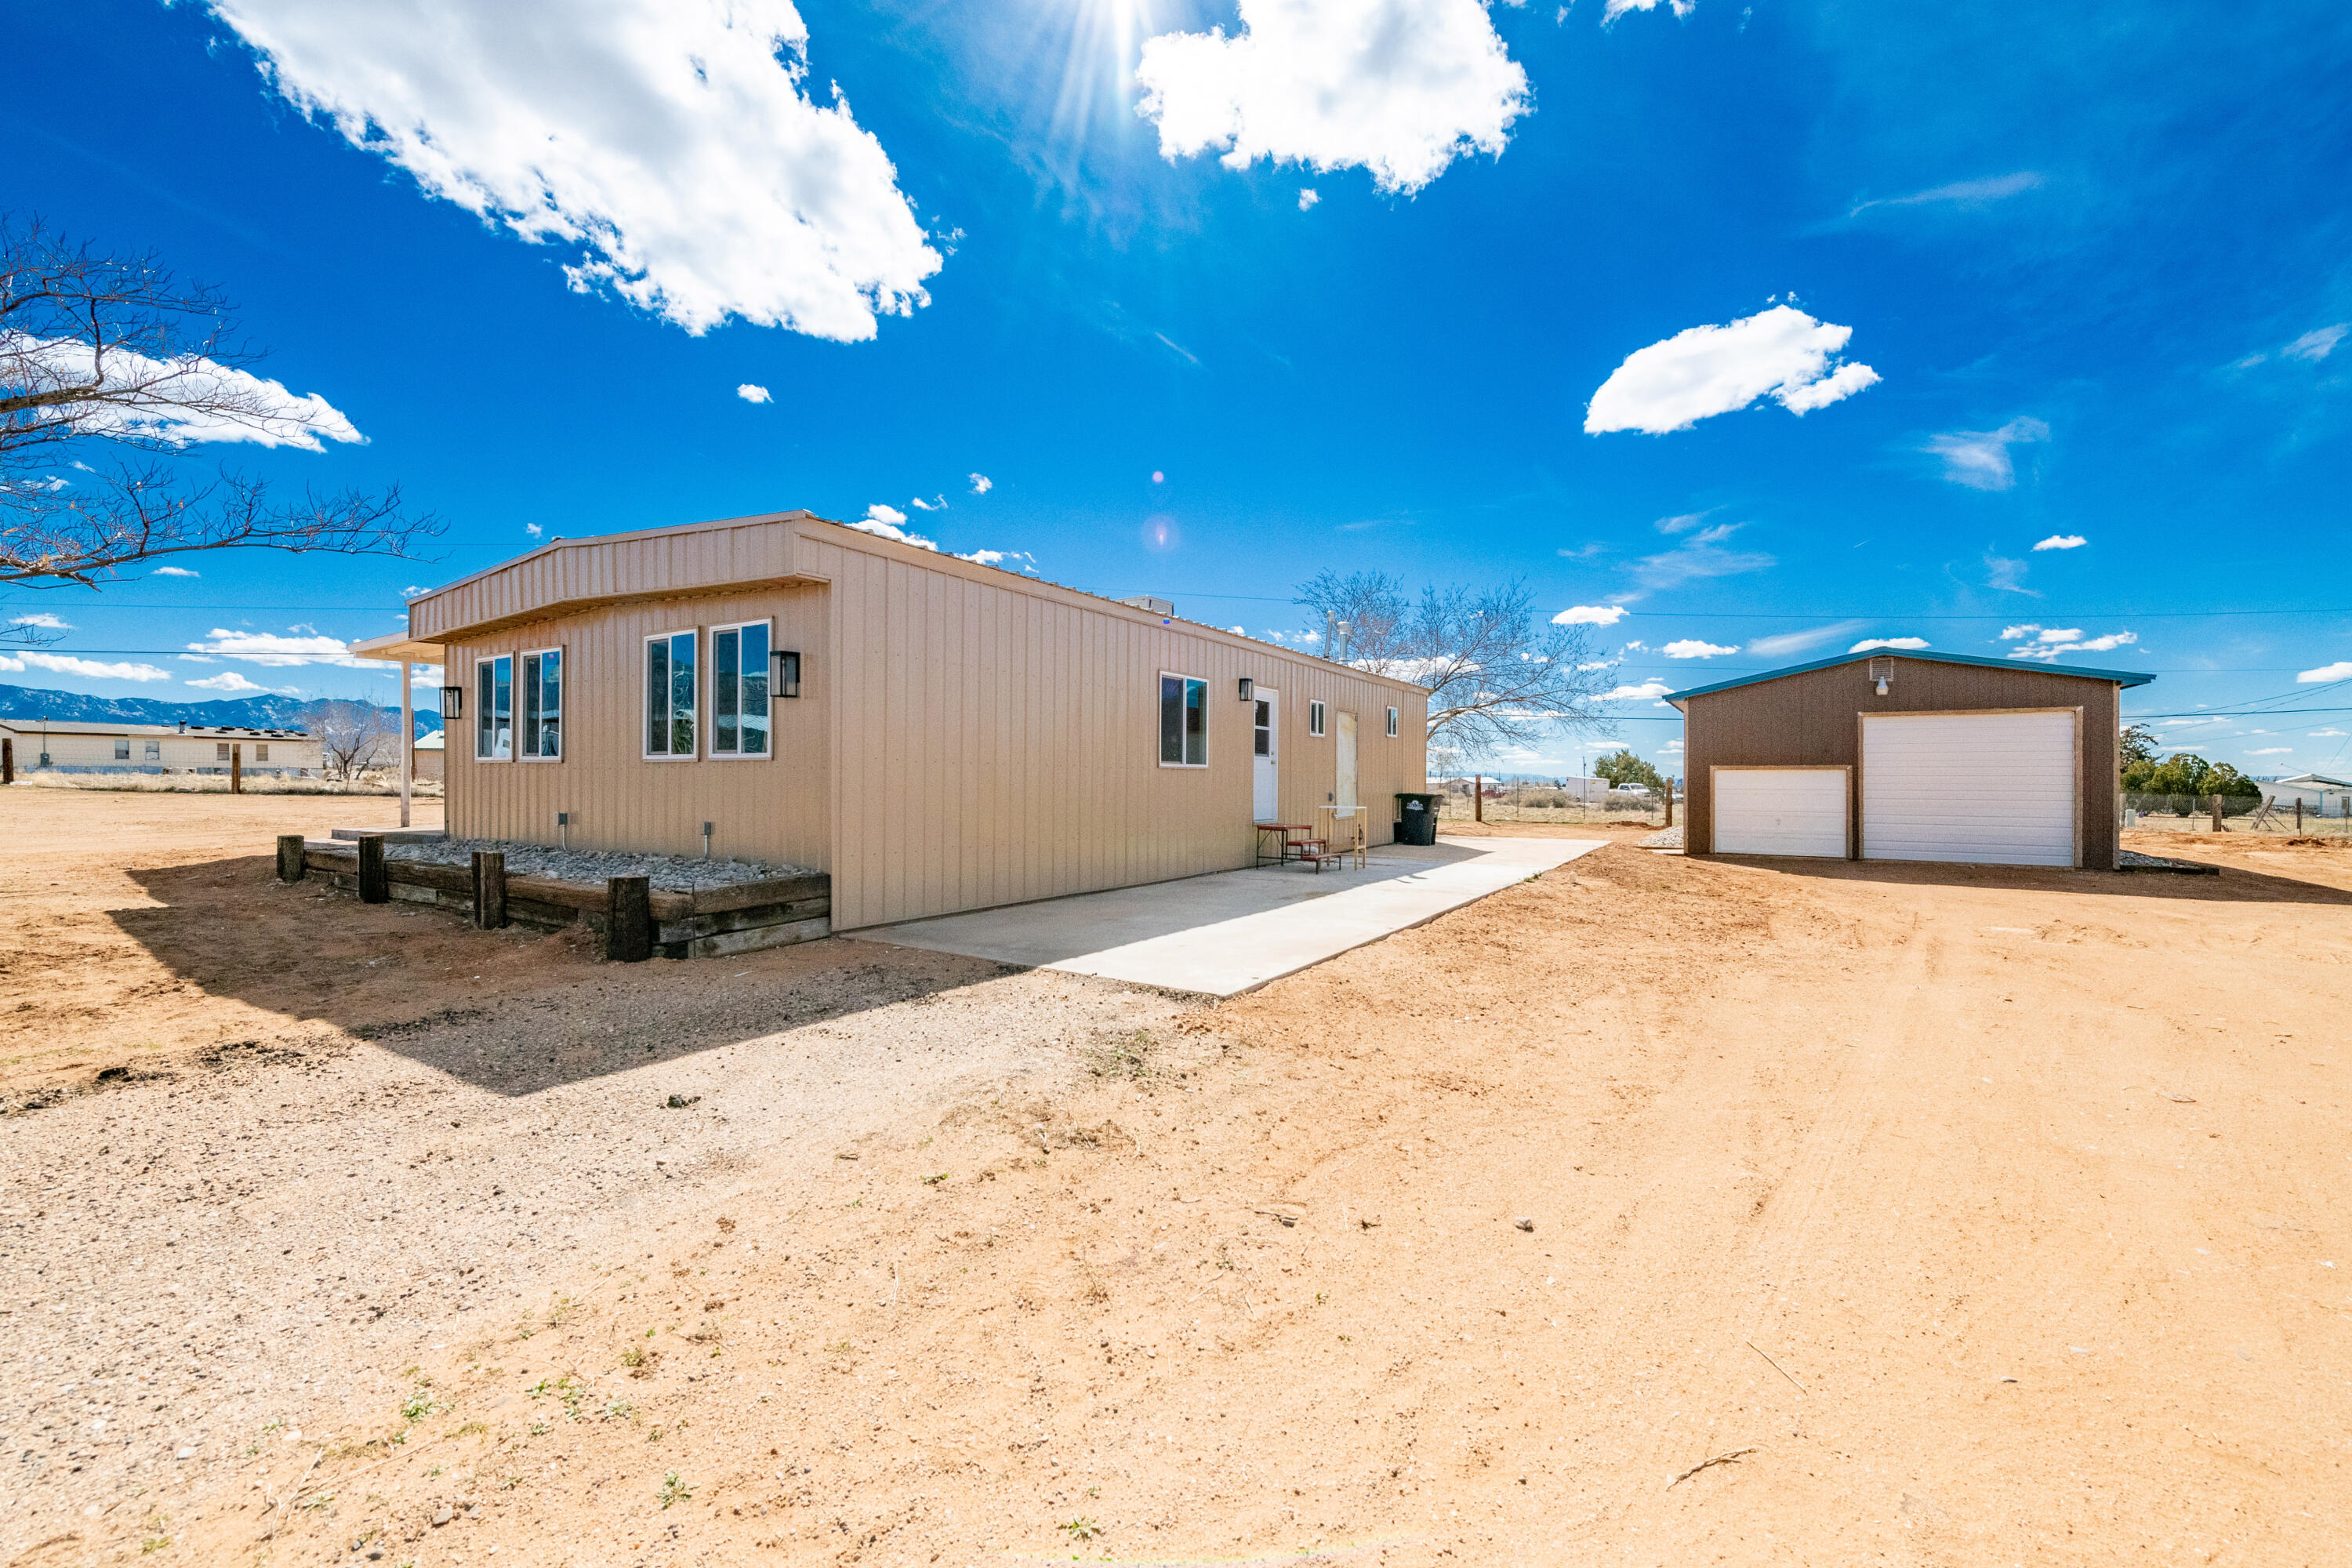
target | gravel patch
x=670, y=873
x=1671, y=838
x=2133, y=861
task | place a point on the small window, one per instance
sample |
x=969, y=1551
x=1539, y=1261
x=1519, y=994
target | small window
x=220, y=750
x=1391, y=724
x=669, y=695
x=1262, y=730
x=1315, y=718
x=739, y=690
x=1184, y=722
x=122, y=750
x=262, y=750
x=154, y=751
x=494, y=709
x=543, y=704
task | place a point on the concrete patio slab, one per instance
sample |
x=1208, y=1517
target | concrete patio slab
x=1232, y=931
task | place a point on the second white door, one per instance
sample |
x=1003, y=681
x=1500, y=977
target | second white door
x=1265, y=761
x=1347, y=764
x=1781, y=811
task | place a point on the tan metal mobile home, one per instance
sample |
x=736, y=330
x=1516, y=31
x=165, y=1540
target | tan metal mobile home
x=936, y=735
x=90, y=747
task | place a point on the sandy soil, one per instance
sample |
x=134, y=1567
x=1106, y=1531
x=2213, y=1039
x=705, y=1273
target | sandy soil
x=1964, y=1217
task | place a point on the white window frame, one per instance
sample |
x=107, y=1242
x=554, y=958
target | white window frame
x=155, y=752
x=220, y=750
x=645, y=698
x=522, y=707
x=766, y=675
x=123, y=749
x=1392, y=723
x=1315, y=718
x=262, y=750
x=1183, y=695
x=485, y=712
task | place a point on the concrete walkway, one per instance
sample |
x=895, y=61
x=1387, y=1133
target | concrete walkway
x=1234, y=930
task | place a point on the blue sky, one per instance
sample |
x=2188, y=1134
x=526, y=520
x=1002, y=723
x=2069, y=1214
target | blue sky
x=2052, y=273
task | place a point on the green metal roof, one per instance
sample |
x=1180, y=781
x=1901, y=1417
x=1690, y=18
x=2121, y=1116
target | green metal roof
x=2120, y=676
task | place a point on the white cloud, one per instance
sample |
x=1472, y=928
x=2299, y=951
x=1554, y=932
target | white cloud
x=1867, y=644
x=1979, y=459
x=175, y=572
x=1706, y=370
x=1307, y=197
x=668, y=145
x=1648, y=688
x=982, y=484
x=2048, y=642
x=1400, y=88
x=1682, y=523
x=751, y=394
x=65, y=663
x=268, y=648
x=1699, y=556
x=2340, y=670
x=2062, y=542
x=1691, y=647
x=2322, y=735
x=171, y=395
x=885, y=523
x=937, y=503
x=2318, y=343
x=2270, y=751
x=1007, y=559
x=1781, y=643
x=43, y=619
x=1962, y=193
x=1616, y=8
x=229, y=680
x=2007, y=574
x=1590, y=615
x=534, y=529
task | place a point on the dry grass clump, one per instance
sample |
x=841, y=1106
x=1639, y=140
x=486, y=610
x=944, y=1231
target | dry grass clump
x=217, y=783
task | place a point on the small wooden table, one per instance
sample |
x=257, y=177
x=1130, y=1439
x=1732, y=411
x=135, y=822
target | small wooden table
x=1283, y=846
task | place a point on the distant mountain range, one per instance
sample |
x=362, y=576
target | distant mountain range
x=267, y=712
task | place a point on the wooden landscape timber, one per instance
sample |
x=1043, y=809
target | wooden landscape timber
x=711, y=923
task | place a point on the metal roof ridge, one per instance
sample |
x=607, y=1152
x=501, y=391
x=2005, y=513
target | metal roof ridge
x=2121, y=677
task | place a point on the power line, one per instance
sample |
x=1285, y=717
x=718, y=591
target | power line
x=1860, y=615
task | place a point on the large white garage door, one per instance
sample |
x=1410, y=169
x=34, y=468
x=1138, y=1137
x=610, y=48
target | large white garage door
x=1781, y=811
x=1994, y=789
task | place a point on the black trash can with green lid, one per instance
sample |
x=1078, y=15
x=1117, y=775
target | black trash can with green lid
x=1416, y=818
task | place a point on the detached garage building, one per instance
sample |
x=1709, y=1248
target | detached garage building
x=1916, y=756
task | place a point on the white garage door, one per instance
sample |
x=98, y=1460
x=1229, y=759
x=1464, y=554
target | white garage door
x=1779, y=811
x=1995, y=789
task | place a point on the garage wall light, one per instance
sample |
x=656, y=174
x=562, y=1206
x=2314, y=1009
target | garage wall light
x=788, y=672
x=1882, y=671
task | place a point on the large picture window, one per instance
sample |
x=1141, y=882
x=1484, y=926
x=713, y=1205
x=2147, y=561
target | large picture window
x=739, y=690
x=669, y=695
x=1184, y=722
x=543, y=704
x=494, y=709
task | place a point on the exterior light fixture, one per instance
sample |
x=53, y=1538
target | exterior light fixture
x=1882, y=671
x=788, y=672
x=1248, y=688
x=453, y=702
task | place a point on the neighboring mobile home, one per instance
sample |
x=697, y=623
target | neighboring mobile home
x=79, y=747
x=936, y=735
x=1911, y=756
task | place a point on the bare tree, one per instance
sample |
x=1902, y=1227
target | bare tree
x=353, y=736
x=1497, y=674
x=106, y=364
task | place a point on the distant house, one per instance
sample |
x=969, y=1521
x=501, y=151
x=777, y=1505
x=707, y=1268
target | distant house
x=428, y=754
x=2320, y=794
x=934, y=734
x=79, y=747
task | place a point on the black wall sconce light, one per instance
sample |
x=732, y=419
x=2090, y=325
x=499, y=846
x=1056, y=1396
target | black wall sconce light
x=788, y=672
x=1248, y=688
x=453, y=702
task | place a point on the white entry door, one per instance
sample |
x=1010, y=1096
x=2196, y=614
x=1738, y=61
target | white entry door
x=1781, y=811
x=1266, y=759
x=1989, y=789
x=1347, y=764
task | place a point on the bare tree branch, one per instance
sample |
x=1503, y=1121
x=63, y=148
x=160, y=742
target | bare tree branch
x=1497, y=675
x=102, y=355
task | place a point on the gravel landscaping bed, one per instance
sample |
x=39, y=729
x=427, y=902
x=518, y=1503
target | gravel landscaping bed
x=670, y=873
x=2133, y=861
x=1671, y=838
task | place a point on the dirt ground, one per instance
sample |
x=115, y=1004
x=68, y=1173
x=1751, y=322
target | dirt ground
x=1654, y=1211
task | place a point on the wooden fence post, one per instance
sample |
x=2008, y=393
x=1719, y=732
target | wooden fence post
x=489, y=888
x=628, y=920
x=2217, y=814
x=1669, y=803
x=8, y=761
x=1479, y=796
x=237, y=770
x=290, y=857
x=2298, y=814
x=375, y=883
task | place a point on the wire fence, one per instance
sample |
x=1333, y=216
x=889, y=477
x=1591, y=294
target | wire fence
x=2233, y=813
x=1573, y=802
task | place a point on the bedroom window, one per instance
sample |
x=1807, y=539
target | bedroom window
x=1391, y=724
x=1184, y=722
x=1315, y=718
x=739, y=690
x=669, y=695
x=542, y=705
x=494, y=709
